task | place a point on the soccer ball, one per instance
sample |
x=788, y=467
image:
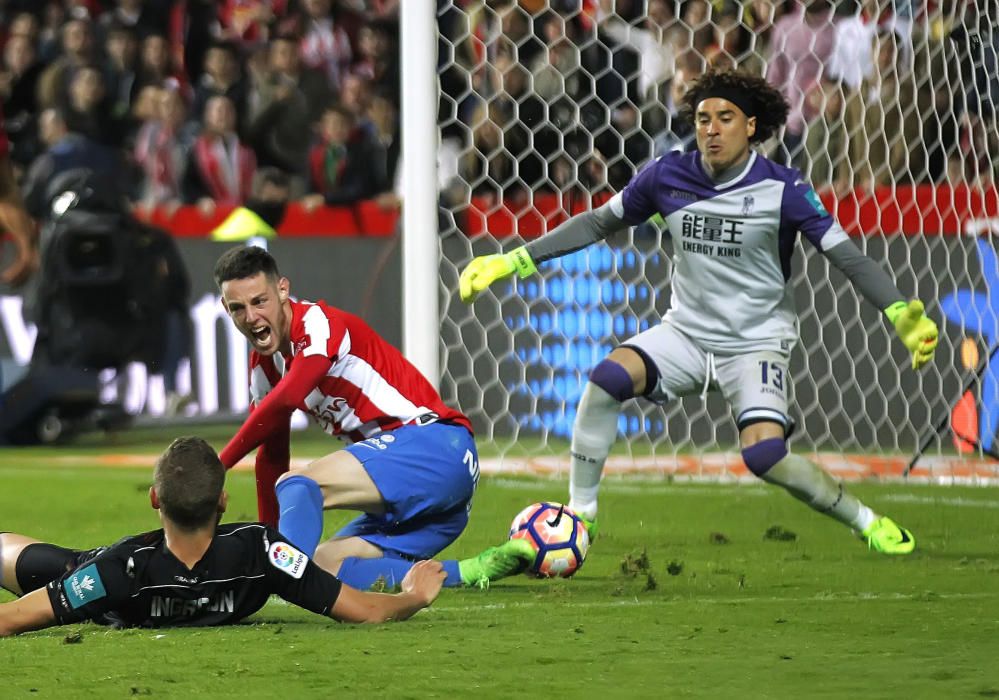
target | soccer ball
x=557, y=535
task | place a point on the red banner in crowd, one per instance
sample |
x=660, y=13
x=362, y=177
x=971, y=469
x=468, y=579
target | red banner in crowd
x=913, y=210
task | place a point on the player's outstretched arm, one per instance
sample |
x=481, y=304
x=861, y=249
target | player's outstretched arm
x=419, y=589
x=915, y=329
x=576, y=233
x=32, y=612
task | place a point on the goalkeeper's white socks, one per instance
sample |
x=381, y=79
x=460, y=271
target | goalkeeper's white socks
x=808, y=482
x=593, y=433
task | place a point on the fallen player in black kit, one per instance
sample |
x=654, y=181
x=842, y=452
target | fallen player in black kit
x=192, y=572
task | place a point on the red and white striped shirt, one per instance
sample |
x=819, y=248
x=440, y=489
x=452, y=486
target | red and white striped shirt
x=345, y=375
x=369, y=386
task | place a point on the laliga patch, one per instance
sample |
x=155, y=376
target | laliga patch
x=287, y=559
x=813, y=199
x=84, y=586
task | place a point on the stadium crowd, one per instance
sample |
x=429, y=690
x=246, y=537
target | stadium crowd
x=882, y=91
x=193, y=101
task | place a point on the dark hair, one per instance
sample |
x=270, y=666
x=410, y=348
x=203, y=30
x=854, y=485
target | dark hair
x=245, y=261
x=771, y=107
x=188, y=479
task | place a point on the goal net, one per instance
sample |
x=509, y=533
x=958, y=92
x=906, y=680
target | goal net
x=549, y=107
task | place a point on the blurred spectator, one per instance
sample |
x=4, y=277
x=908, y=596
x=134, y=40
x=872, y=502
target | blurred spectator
x=222, y=76
x=730, y=47
x=976, y=40
x=139, y=16
x=220, y=168
x=288, y=100
x=802, y=44
x=121, y=47
x=901, y=21
x=86, y=110
x=827, y=161
x=248, y=22
x=513, y=32
x=940, y=110
x=18, y=83
x=346, y=165
x=65, y=150
x=145, y=106
x=378, y=56
x=156, y=63
x=325, y=45
x=679, y=133
x=162, y=148
x=512, y=138
x=50, y=31
x=272, y=190
x=355, y=97
x=555, y=73
x=25, y=24
x=656, y=59
x=697, y=20
x=852, y=59
x=384, y=117
x=77, y=50
x=887, y=149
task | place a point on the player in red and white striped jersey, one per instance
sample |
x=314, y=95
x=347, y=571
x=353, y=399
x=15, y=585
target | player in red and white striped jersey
x=410, y=465
x=369, y=388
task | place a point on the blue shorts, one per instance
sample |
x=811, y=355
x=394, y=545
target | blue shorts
x=426, y=475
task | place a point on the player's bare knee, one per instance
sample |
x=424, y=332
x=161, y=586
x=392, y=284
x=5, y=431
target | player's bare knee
x=328, y=558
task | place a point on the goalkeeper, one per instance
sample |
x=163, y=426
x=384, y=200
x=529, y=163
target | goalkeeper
x=734, y=217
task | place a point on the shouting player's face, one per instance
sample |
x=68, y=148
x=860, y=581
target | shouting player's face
x=258, y=307
x=723, y=132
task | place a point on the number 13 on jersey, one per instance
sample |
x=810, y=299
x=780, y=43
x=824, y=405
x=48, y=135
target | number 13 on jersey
x=772, y=374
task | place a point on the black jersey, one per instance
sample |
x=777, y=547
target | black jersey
x=138, y=582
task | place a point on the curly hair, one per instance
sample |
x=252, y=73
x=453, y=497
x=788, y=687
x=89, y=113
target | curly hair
x=770, y=106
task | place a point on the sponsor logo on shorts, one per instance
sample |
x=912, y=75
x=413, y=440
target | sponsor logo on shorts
x=84, y=586
x=287, y=559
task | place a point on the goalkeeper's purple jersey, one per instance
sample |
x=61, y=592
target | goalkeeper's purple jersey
x=732, y=246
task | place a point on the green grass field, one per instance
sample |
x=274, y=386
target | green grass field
x=682, y=595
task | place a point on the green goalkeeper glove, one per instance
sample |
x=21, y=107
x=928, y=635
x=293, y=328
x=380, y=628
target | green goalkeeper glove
x=486, y=269
x=916, y=331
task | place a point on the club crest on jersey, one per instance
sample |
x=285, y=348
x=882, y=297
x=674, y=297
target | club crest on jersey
x=287, y=559
x=85, y=586
x=748, y=203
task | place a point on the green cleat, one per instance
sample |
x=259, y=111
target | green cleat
x=884, y=536
x=511, y=557
x=591, y=527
